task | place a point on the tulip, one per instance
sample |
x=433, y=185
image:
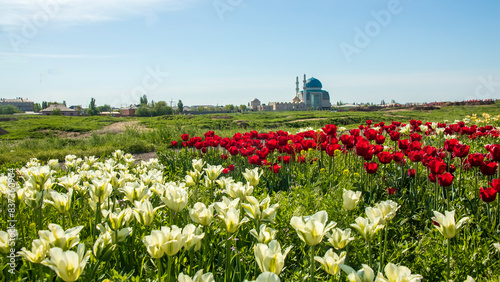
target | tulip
x=144, y=212
x=192, y=236
x=266, y=277
x=224, y=182
x=445, y=179
x=260, y=211
x=39, y=250
x=201, y=214
x=365, y=274
x=176, y=198
x=198, y=277
x=269, y=257
x=311, y=229
x=351, y=199
x=118, y=218
x=367, y=228
x=487, y=195
x=489, y=168
x=331, y=261
x=4, y=242
x=446, y=223
x=371, y=168
x=103, y=247
x=62, y=202
x=239, y=190
x=339, y=238
x=222, y=207
x=135, y=192
x=100, y=190
x=396, y=273
x=198, y=164
x=231, y=219
x=388, y=209
x=252, y=176
x=154, y=243
x=213, y=171
x=265, y=235
x=68, y=265
x=57, y=237
x=436, y=166
x=117, y=236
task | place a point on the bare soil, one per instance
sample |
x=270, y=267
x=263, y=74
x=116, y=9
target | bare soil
x=118, y=127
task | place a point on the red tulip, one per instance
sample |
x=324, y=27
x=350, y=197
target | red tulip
x=415, y=137
x=185, y=137
x=403, y=144
x=391, y=191
x=411, y=173
x=432, y=177
x=445, y=179
x=416, y=156
x=397, y=156
x=174, y=143
x=461, y=150
x=384, y=157
x=371, y=134
x=450, y=144
x=225, y=171
x=394, y=135
x=330, y=129
x=475, y=159
x=495, y=184
x=495, y=152
x=231, y=167
x=489, y=168
x=437, y=166
x=362, y=148
x=224, y=157
x=487, y=194
x=380, y=139
x=371, y=167
x=275, y=168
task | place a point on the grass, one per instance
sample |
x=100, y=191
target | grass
x=38, y=136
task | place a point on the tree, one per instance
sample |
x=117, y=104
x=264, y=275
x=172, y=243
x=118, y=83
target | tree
x=243, y=108
x=37, y=107
x=104, y=108
x=180, y=107
x=161, y=109
x=44, y=105
x=8, y=110
x=64, y=103
x=228, y=108
x=143, y=100
x=92, y=111
x=56, y=112
x=143, y=111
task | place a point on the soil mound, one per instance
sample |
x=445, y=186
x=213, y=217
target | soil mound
x=3, y=131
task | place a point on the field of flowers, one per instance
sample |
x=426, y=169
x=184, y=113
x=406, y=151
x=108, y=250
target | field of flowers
x=381, y=202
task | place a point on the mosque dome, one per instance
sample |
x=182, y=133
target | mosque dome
x=313, y=83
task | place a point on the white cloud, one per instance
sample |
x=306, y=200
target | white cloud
x=15, y=13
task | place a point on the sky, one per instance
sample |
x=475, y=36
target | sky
x=219, y=52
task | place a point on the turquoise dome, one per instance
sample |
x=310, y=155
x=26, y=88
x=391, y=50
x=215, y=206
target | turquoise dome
x=313, y=83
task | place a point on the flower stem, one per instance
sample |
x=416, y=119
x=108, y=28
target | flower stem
x=312, y=268
x=160, y=268
x=370, y=259
x=449, y=262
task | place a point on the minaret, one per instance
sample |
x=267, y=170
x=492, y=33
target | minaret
x=304, y=96
x=297, y=86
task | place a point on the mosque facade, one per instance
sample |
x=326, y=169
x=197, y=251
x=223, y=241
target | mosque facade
x=311, y=97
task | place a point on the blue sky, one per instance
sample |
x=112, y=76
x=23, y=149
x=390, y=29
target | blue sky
x=232, y=51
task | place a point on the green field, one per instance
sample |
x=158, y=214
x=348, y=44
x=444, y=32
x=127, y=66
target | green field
x=48, y=137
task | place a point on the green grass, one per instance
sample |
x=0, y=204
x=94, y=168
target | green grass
x=37, y=136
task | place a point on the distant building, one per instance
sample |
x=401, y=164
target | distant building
x=310, y=97
x=22, y=104
x=129, y=111
x=64, y=110
x=110, y=114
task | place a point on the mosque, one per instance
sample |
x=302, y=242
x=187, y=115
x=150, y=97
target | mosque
x=311, y=97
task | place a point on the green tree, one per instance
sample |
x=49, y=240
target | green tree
x=180, y=107
x=56, y=112
x=229, y=107
x=37, y=107
x=143, y=111
x=104, y=108
x=160, y=109
x=243, y=108
x=8, y=110
x=143, y=100
x=92, y=110
x=44, y=105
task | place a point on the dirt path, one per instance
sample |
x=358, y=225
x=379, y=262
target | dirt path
x=118, y=127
